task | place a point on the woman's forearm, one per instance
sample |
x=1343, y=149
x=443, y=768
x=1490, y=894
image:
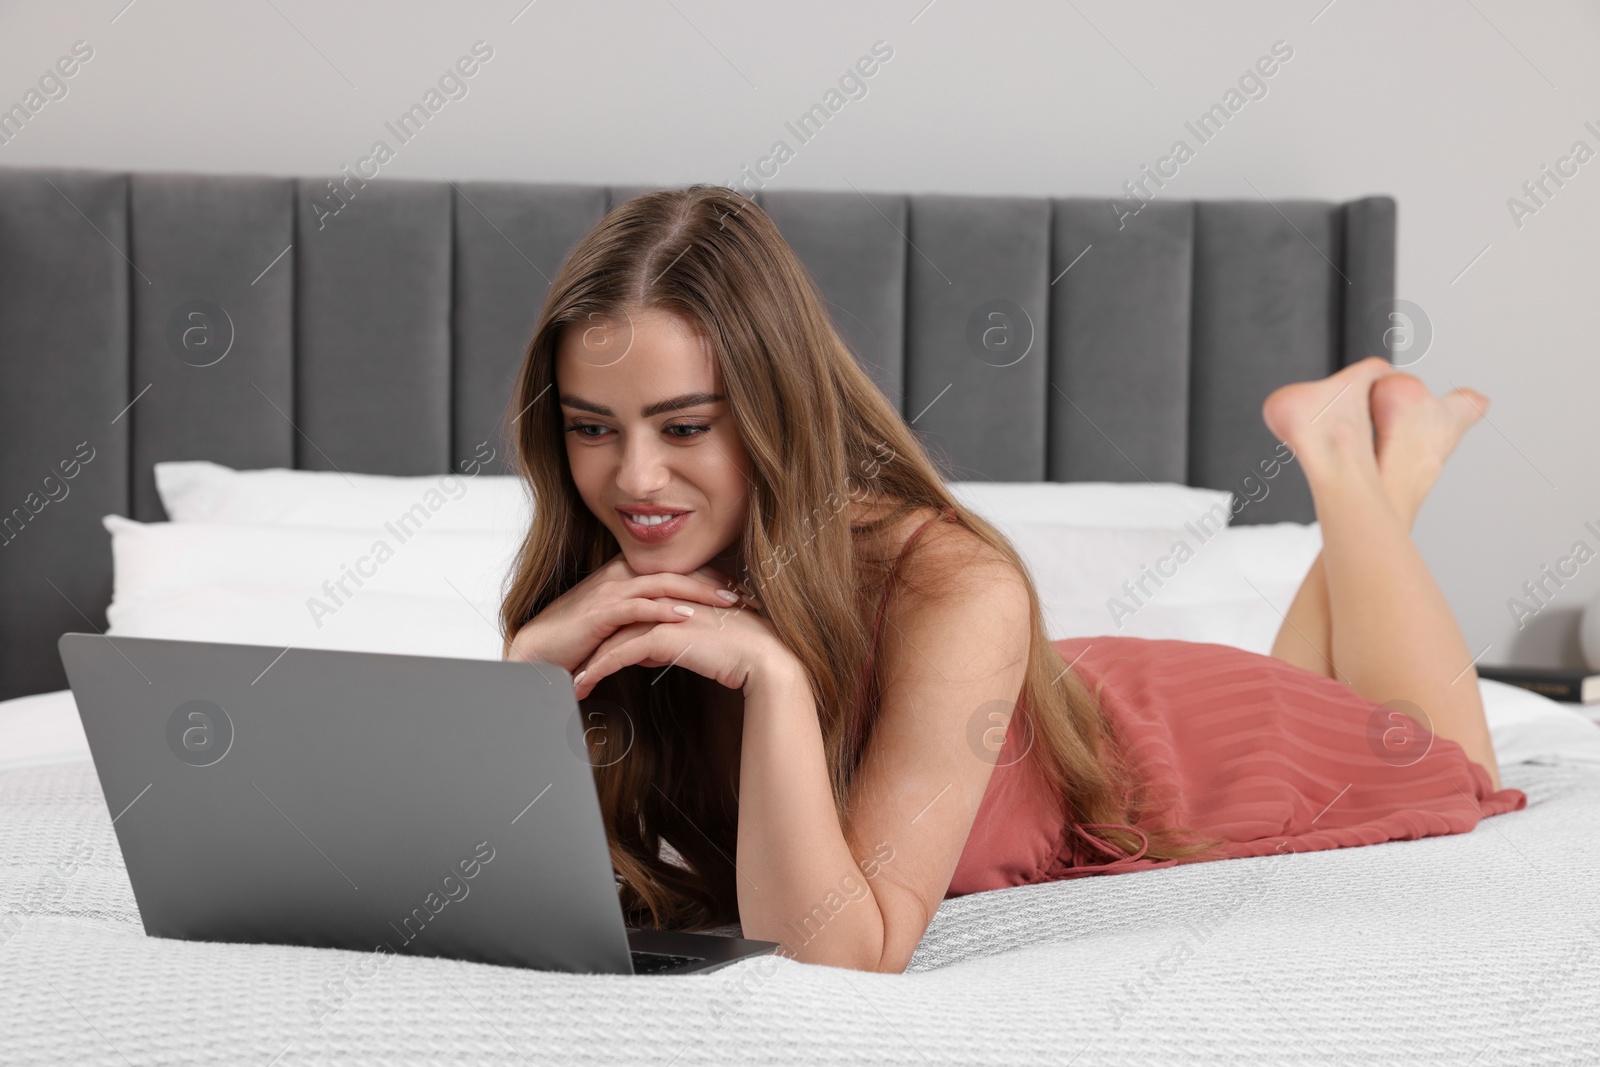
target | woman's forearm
x=798, y=883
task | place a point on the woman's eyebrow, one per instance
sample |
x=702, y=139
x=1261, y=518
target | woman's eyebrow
x=585, y=405
x=676, y=403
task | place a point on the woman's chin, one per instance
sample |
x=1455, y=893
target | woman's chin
x=673, y=559
x=663, y=560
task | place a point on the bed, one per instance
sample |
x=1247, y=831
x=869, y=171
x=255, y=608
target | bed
x=379, y=340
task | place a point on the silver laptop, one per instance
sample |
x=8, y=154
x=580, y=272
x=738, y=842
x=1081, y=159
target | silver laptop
x=357, y=800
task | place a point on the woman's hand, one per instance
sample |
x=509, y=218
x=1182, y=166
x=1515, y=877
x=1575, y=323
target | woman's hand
x=615, y=596
x=729, y=645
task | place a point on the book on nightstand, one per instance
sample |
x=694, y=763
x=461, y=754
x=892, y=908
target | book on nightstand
x=1575, y=685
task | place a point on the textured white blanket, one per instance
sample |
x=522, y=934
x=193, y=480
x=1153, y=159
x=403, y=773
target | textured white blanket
x=1476, y=949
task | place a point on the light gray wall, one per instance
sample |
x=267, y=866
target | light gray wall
x=1448, y=106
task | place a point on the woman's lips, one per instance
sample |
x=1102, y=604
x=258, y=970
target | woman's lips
x=654, y=535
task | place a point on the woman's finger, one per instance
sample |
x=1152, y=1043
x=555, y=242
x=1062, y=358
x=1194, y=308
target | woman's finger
x=638, y=610
x=744, y=598
x=623, y=629
x=682, y=586
x=637, y=650
x=723, y=581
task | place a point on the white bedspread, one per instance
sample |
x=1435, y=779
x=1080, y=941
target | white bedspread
x=1481, y=948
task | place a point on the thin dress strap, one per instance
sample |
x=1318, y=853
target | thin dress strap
x=1107, y=848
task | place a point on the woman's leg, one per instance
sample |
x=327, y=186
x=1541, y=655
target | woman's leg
x=1306, y=636
x=1416, y=434
x=1391, y=632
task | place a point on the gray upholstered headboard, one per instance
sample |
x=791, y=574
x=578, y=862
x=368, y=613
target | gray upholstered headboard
x=376, y=327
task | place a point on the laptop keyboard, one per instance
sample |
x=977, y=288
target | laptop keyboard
x=656, y=962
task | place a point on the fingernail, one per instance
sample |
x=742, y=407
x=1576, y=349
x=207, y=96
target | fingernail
x=727, y=594
x=683, y=609
x=579, y=677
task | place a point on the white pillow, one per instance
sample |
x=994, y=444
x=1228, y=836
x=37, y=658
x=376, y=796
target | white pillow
x=202, y=491
x=1229, y=586
x=1103, y=505
x=199, y=491
x=436, y=592
x=1081, y=540
x=439, y=591
x=399, y=623
x=263, y=582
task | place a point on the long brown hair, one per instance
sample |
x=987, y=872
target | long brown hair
x=818, y=430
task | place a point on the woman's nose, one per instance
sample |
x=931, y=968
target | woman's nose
x=643, y=470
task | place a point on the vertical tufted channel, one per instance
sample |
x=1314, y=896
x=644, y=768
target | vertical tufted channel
x=977, y=327
x=372, y=334
x=1369, y=262
x=213, y=330
x=1120, y=302
x=64, y=278
x=1269, y=299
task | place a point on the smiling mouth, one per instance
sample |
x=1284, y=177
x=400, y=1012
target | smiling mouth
x=653, y=529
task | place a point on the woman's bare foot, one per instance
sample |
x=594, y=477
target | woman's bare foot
x=1417, y=431
x=1330, y=414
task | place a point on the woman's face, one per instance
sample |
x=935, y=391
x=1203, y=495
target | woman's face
x=645, y=427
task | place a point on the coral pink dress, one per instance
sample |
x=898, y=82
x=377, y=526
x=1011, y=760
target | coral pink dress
x=1240, y=746
x=1266, y=755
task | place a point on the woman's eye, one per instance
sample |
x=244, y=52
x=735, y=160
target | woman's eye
x=693, y=429
x=579, y=427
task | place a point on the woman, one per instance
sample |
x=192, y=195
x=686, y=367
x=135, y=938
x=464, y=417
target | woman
x=799, y=687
